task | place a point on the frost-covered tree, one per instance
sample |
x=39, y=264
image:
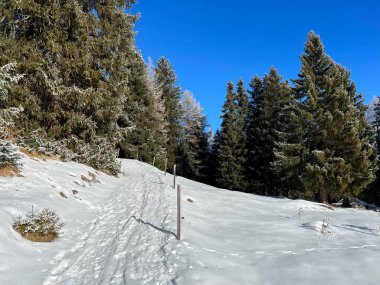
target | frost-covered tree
x=194, y=144
x=69, y=90
x=158, y=102
x=7, y=115
x=9, y=155
x=146, y=115
x=171, y=94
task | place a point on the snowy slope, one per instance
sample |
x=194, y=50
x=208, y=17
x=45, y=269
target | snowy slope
x=122, y=231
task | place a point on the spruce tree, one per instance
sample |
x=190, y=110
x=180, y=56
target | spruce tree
x=372, y=193
x=143, y=112
x=289, y=149
x=74, y=55
x=267, y=98
x=339, y=160
x=9, y=154
x=229, y=170
x=241, y=131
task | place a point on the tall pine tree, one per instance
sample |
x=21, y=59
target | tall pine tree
x=230, y=171
x=267, y=99
x=339, y=161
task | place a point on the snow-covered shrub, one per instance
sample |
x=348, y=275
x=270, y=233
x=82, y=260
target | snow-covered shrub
x=37, y=142
x=101, y=154
x=40, y=226
x=9, y=155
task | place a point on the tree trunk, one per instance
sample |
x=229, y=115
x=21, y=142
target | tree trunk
x=323, y=195
x=346, y=203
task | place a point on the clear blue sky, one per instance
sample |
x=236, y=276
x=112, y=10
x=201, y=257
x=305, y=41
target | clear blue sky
x=212, y=42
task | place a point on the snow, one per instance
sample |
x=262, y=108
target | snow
x=122, y=231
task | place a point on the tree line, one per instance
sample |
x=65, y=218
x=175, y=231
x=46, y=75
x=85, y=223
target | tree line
x=310, y=139
x=85, y=91
x=74, y=84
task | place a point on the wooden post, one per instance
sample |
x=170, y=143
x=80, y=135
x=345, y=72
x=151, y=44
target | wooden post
x=166, y=165
x=179, y=212
x=137, y=155
x=174, y=174
x=154, y=161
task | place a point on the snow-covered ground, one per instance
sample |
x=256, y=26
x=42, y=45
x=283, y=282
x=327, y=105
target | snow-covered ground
x=122, y=231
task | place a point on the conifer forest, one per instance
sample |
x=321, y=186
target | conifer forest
x=74, y=85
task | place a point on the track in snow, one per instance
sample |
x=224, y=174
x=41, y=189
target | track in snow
x=126, y=243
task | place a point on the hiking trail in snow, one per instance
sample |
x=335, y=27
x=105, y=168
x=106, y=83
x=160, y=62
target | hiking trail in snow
x=126, y=243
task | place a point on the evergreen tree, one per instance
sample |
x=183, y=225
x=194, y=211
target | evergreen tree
x=194, y=146
x=372, y=194
x=229, y=170
x=69, y=90
x=9, y=155
x=253, y=144
x=171, y=94
x=212, y=160
x=7, y=115
x=289, y=149
x=144, y=110
x=267, y=98
x=241, y=131
x=339, y=161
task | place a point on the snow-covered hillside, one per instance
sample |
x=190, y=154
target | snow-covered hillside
x=122, y=231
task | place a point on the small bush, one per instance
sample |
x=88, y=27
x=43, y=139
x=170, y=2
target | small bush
x=40, y=226
x=101, y=154
x=36, y=144
x=9, y=156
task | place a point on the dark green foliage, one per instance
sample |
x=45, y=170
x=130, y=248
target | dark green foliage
x=339, y=161
x=372, y=194
x=268, y=96
x=230, y=172
x=171, y=94
x=289, y=149
x=145, y=135
x=241, y=132
x=74, y=57
x=309, y=141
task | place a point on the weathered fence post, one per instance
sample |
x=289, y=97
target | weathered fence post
x=179, y=212
x=174, y=174
x=137, y=155
x=154, y=161
x=166, y=164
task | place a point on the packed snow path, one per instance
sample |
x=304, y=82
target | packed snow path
x=126, y=243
